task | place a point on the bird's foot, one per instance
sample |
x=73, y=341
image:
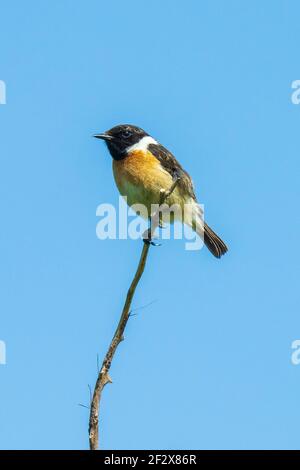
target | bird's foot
x=148, y=239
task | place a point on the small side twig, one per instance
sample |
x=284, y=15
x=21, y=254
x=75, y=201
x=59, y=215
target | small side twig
x=103, y=376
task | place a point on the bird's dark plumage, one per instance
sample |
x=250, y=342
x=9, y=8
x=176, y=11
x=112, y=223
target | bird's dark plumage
x=173, y=167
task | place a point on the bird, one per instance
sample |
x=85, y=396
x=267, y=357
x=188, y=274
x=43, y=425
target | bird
x=142, y=168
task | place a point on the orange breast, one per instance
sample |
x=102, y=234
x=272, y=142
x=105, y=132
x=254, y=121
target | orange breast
x=139, y=176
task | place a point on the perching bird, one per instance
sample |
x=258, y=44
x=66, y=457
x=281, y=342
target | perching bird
x=142, y=167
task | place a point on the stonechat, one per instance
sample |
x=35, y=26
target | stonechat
x=142, y=167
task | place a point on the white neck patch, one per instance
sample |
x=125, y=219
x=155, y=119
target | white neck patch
x=142, y=144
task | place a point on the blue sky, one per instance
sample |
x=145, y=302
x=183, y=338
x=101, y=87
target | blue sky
x=207, y=364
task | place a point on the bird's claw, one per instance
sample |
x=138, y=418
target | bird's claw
x=150, y=242
x=147, y=238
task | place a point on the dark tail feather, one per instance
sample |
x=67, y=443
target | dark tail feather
x=215, y=245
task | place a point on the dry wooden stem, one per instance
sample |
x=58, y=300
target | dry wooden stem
x=103, y=376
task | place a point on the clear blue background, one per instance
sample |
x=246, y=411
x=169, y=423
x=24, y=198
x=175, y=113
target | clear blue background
x=208, y=363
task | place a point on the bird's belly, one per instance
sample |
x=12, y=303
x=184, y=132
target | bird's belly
x=140, y=178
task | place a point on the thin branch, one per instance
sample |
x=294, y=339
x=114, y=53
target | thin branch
x=103, y=376
x=83, y=406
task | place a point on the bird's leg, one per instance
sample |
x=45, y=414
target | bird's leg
x=157, y=217
x=165, y=194
x=148, y=235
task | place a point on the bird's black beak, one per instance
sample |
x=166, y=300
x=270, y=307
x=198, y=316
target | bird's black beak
x=103, y=136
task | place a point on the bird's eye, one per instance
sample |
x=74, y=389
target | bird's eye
x=126, y=134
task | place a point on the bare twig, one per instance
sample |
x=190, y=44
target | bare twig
x=83, y=406
x=103, y=376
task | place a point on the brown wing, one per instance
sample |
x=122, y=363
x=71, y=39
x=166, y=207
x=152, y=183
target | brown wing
x=173, y=167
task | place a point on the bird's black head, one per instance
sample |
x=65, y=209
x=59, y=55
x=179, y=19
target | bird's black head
x=120, y=138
